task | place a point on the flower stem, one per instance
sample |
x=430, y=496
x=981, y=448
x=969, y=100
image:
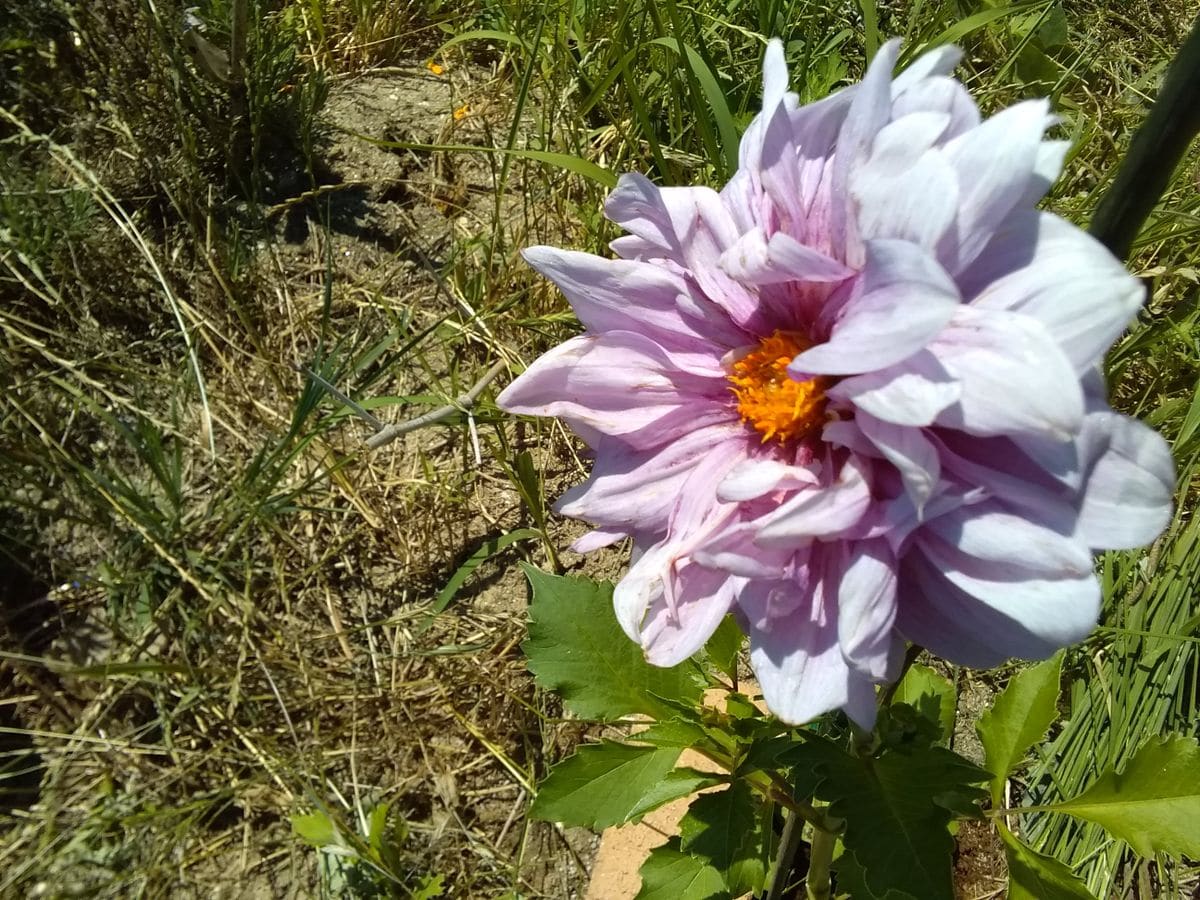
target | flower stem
x=818, y=883
x=789, y=843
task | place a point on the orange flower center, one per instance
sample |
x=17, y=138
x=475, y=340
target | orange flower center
x=770, y=400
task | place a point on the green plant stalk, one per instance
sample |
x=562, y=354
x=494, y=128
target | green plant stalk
x=1155, y=152
x=817, y=886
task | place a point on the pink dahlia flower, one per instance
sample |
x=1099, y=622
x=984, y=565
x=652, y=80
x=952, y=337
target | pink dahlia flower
x=854, y=396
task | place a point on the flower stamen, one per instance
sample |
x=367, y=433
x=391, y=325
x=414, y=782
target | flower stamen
x=770, y=400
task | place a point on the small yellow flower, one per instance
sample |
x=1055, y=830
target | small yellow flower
x=462, y=112
x=434, y=68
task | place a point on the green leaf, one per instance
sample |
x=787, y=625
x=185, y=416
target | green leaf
x=1153, y=804
x=673, y=733
x=603, y=784
x=1018, y=719
x=723, y=828
x=723, y=647
x=576, y=647
x=428, y=887
x=316, y=829
x=670, y=874
x=487, y=549
x=931, y=694
x=1032, y=876
x=682, y=782
x=851, y=879
x=897, y=809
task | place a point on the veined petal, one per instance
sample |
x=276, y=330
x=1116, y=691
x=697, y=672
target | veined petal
x=632, y=488
x=618, y=383
x=818, y=512
x=759, y=476
x=914, y=455
x=1127, y=500
x=995, y=162
x=905, y=190
x=902, y=299
x=912, y=392
x=797, y=658
x=756, y=260
x=1046, y=268
x=977, y=622
x=869, y=111
x=669, y=635
x=866, y=599
x=1014, y=377
x=597, y=539
x=993, y=534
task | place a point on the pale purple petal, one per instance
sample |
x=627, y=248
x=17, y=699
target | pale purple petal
x=869, y=111
x=632, y=488
x=905, y=190
x=1127, y=501
x=759, y=476
x=818, y=512
x=990, y=161
x=914, y=455
x=797, y=659
x=912, y=392
x=1045, y=268
x=866, y=599
x=756, y=260
x=1014, y=377
x=597, y=539
x=900, y=301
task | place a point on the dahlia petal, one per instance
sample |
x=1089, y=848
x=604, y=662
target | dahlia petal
x=759, y=476
x=913, y=455
x=990, y=160
x=1043, y=267
x=631, y=488
x=796, y=659
x=901, y=300
x=1046, y=169
x=913, y=392
x=869, y=111
x=734, y=550
x=982, y=622
x=904, y=190
x=1013, y=375
x=939, y=94
x=775, y=75
x=618, y=383
x=866, y=602
x=669, y=636
x=818, y=512
x=597, y=539
x=756, y=260
x=939, y=61
x=992, y=534
x=1127, y=501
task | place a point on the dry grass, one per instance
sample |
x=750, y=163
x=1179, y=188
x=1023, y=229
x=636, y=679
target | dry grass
x=250, y=638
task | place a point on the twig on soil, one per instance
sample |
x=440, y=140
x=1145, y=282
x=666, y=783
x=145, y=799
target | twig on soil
x=389, y=433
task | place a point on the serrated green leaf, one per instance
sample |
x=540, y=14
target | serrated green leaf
x=682, y=782
x=1018, y=719
x=670, y=874
x=723, y=647
x=897, y=808
x=723, y=829
x=602, y=784
x=428, y=887
x=316, y=829
x=1033, y=876
x=674, y=733
x=576, y=647
x=1153, y=804
x=931, y=694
